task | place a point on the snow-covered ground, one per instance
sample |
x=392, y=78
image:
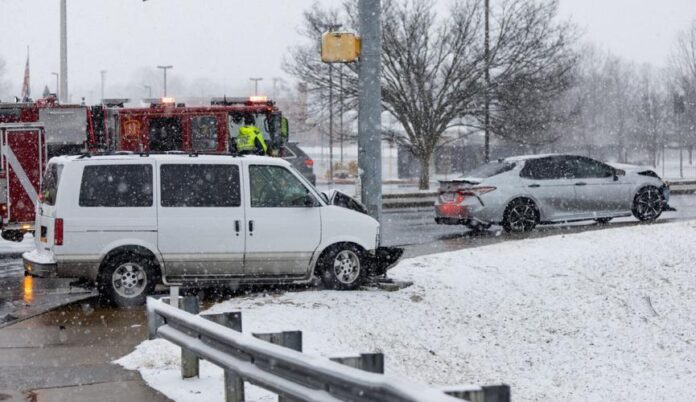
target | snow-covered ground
x=601, y=315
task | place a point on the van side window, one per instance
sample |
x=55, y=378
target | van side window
x=200, y=185
x=116, y=186
x=275, y=187
x=50, y=183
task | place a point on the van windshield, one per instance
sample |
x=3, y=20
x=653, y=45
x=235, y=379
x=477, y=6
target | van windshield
x=49, y=187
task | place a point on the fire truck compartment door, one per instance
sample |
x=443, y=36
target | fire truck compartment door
x=200, y=220
x=23, y=152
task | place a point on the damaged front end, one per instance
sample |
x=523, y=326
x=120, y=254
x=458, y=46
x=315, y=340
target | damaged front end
x=383, y=259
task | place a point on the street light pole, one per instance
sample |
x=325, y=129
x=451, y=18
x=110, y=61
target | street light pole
x=103, y=78
x=57, y=84
x=63, y=53
x=165, y=68
x=256, y=84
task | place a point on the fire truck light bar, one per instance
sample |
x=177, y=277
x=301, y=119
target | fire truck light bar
x=259, y=99
x=168, y=100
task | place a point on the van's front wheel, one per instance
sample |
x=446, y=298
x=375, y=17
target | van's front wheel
x=343, y=267
x=127, y=279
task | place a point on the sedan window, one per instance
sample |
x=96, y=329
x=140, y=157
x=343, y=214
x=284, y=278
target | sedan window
x=551, y=168
x=585, y=168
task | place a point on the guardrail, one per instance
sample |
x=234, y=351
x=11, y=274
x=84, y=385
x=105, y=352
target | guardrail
x=275, y=362
x=425, y=199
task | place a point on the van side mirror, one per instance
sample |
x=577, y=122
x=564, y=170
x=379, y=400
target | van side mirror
x=308, y=200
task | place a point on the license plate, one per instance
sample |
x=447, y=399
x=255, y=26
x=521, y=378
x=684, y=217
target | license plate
x=447, y=197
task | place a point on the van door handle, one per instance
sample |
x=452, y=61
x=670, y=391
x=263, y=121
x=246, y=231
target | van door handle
x=534, y=185
x=251, y=228
x=581, y=183
x=237, y=226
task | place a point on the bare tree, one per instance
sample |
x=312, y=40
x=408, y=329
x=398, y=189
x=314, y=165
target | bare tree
x=532, y=66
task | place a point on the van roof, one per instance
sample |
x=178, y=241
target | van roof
x=210, y=158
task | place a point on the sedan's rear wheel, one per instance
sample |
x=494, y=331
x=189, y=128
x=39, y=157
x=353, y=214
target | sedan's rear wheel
x=648, y=203
x=520, y=216
x=127, y=279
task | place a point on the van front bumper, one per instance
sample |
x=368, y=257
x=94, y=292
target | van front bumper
x=383, y=259
x=41, y=265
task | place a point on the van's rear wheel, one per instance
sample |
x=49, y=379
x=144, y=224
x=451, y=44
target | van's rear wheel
x=127, y=279
x=343, y=267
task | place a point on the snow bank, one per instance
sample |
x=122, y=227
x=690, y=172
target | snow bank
x=601, y=315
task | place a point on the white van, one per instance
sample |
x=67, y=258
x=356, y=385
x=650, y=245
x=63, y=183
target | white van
x=127, y=222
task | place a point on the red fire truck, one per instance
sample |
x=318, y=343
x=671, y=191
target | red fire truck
x=166, y=126
x=31, y=133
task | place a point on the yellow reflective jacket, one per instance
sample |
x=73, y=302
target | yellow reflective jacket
x=246, y=141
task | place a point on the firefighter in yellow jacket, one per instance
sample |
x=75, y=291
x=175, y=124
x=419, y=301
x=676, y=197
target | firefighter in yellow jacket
x=250, y=140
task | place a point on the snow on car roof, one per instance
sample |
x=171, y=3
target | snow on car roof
x=519, y=158
x=171, y=157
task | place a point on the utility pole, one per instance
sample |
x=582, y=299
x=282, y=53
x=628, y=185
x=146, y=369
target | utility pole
x=165, y=68
x=256, y=84
x=340, y=97
x=332, y=28
x=331, y=109
x=63, y=53
x=370, y=107
x=103, y=79
x=487, y=99
x=57, y=84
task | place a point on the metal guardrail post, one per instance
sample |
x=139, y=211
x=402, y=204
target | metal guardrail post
x=289, y=339
x=174, y=296
x=372, y=362
x=154, y=320
x=189, y=360
x=486, y=393
x=234, y=384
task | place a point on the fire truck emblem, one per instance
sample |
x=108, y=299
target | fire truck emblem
x=131, y=129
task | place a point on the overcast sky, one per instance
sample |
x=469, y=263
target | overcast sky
x=228, y=41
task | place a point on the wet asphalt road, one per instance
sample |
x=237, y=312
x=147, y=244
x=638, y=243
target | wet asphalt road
x=72, y=346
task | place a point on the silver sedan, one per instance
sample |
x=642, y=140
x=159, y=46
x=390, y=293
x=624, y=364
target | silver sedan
x=524, y=191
